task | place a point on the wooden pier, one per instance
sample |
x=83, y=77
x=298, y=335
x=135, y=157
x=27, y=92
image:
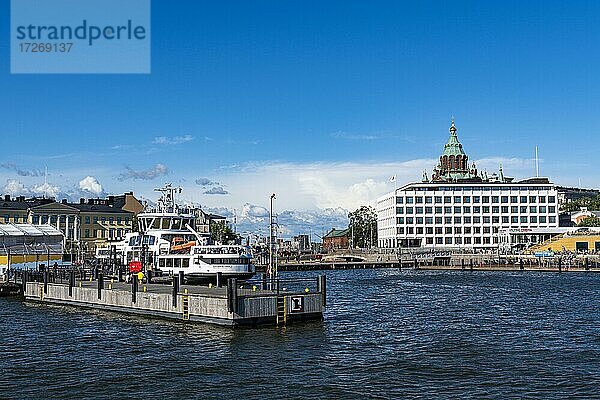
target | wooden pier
x=275, y=302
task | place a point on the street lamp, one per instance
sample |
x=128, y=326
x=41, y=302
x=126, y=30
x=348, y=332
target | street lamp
x=272, y=268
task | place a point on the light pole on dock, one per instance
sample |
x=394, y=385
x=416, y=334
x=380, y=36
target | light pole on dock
x=272, y=265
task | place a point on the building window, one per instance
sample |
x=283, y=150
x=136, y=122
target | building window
x=523, y=199
x=467, y=240
x=448, y=240
x=448, y=230
x=409, y=200
x=103, y=220
x=476, y=199
x=438, y=220
x=411, y=230
x=514, y=219
x=429, y=240
x=457, y=220
x=429, y=220
x=409, y=220
x=523, y=209
x=542, y=209
x=476, y=220
x=457, y=199
x=485, y=199
x=419, y=220
x=447, y=200
x=504, y=209
x=467, y=229
x=514, y=209
x=457, y=240
x=551, y=209
x=533, y=220
x=428, y=200
x=467, y=209
x=399, y=200
x=448, y=210
x=399, y=210
x=447, y=220
x=466, y=199
x=504, y=199
x=477, y=229
x=495, y=209
x=428, y=210
x=119, y=220
x=438, y=230
x=6, y=218
x=53, y=219
x=112, y=220
x=514, y=199
x=126, y=220
x=467, y=220
x=95, y=233
x=486, y=229
x=542, y=220
x=523, y=220
x=486, y=219
x=36, y=219
x=533, y=209
x=419, y=210
x=438, y=199
x=400, y=220
x=438, y=210
x=458, y=229
x=457, y=209
x=552, y=219
x=495, y=199
x=44, y=219
x=532, y=199
x=429, y=230
x=87, y=219
x=476, y=209
x=495, y=220
x=477, y=240
x=419, y=200
x=409, y=210
x=419, y=230
x=486, y=209
x=95, y=220
x=438, y=240
x=542, y=199
x=486, y=240
x=87, y=233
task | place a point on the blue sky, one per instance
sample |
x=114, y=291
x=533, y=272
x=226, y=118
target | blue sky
x=319, y=101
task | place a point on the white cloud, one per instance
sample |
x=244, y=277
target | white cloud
x=45, y=189
x=164, y=140
x=146, y=174
x=91, y=185
x=216, y=190
x=15, y=187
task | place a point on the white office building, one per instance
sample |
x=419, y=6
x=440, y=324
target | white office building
x=458, y=207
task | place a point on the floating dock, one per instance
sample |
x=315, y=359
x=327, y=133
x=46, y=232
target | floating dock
x=278, y=302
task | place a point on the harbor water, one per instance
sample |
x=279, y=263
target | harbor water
x=386, y=335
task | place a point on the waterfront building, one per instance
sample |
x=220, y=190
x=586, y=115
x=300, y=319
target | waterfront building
x=337, y=239
x=463, y=207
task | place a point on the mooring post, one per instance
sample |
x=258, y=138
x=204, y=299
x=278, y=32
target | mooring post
x=586, y=264
x=175, y=289
x=416, y=265
x=100, y=285
x=322, y=287
x=149, y=277
x=181, y=278
x=462, y=263
x=45, y=281
x=71, y=282
x=264, y=281
x=134, y=287
x=232, y=295
x=219, y=279
x=120, y=274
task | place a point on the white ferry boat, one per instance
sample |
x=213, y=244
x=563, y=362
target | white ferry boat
x=167, y=243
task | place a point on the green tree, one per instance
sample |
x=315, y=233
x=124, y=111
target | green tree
x=590, y=221
x=592, y=203
x=221, y=232
x=363, y=227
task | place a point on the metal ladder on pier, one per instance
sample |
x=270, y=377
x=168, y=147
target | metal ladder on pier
x=185, y=307
x=281, y=311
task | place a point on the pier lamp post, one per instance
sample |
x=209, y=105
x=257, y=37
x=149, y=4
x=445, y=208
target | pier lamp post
x=272, y=268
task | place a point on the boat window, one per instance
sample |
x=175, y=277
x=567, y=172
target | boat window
x=169, y=263
x=177, y=263
x=161, y=263
x=185, y=263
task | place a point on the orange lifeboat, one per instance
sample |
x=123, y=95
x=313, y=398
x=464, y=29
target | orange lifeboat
x=179, y=245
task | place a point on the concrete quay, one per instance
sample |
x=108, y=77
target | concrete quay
x=237, y=304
